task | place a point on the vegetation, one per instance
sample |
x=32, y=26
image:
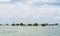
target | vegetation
x=56, y=23
x=45, y=24
x=7, y=24
x=29, y=25
x=17, y=24
x=35, y=24
x=21, y=24
x=51, y=24
x=0, y=24
x=13, y=24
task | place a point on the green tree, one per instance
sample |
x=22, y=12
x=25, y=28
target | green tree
x=51, y=24
x=13, y=24
x=35, y=24
x=7, y=24
x=0, y=24
x=29, y=25
x=56, y=23
x=21, y=24
x=45, y=24
x=17, y=24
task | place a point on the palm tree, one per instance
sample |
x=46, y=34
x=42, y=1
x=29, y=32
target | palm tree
x=7, y=24
x=51, y=24
x=21, y=24
x=17, y=24
x=29, y=25
x=35, y=24
x=0, y=24
x=13, y=24
x=45, y=24
x=56, y=23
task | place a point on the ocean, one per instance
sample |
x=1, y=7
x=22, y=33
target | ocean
x=29, y=31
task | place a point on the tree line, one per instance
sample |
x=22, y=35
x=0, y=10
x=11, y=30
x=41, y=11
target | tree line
x=35, y=24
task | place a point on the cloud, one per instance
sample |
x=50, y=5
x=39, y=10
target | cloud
x=57, y=0
x=4, y=0
x=19, y=12
x=54, y=3
x=57, y=17
x=42, y=4
x=26, y=13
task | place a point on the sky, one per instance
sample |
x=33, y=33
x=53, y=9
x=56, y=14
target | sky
x=29, y=11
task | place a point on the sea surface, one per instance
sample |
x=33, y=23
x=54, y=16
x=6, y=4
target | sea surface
x=29, y=31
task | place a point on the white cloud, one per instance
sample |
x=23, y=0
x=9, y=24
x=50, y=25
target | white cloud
x=33, y=1
x=28, y=1
x=25, y=11
x=57, y=17
x=5, y=0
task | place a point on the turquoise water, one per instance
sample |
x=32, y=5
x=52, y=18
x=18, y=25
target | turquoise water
x=29, y=31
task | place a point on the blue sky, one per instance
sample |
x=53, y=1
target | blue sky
x=29, y=11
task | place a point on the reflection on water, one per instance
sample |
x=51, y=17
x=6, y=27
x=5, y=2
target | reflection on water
x=29, y=31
